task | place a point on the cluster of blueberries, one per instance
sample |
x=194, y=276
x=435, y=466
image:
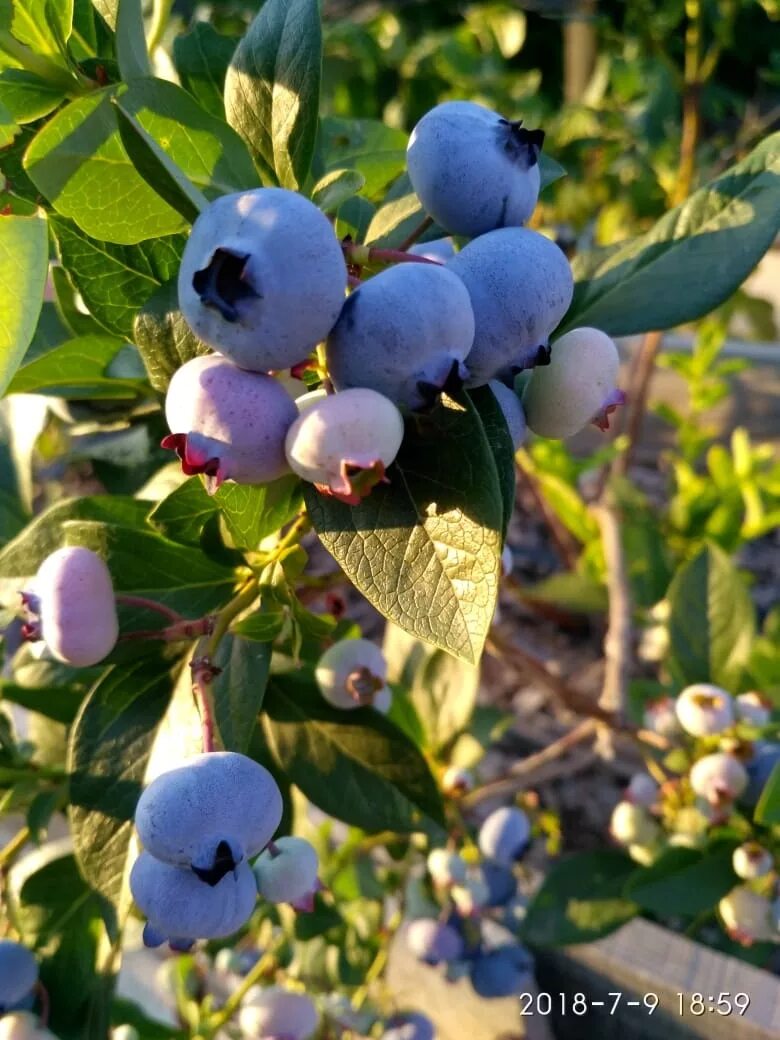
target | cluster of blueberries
x=478, y=909
x=728, y=764
x=263, y=281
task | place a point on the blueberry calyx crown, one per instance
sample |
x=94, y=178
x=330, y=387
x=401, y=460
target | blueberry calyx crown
x=222, y=865
x=520, y=144
x=431, y=392
x=222, y=283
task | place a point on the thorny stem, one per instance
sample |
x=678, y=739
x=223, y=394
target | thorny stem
x=418, y=232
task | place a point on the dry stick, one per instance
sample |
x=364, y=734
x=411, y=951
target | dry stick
x=638, y=392
x=517, y=776
x=617, y=642
x=420, y=230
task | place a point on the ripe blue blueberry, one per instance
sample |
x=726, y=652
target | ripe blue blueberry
x=181, y=907
x=18, y=974
x=343, y=443
x=278, y=1014
x=512, y=410
x=262, y=278
x=502, y=972
x=433, y=941
x=766, y=755
x=409, y=1025
x=74, y=600
x=210, y=813
x=352, y=674
x=439, y=249
x=403, y=333
x=504, y=836
x=473, y=170
x=501, y=883
x=520, y=285
x=287, y=873
x=227, y=423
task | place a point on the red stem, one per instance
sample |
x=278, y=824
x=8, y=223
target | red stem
x=202, y=674
x=149, y=604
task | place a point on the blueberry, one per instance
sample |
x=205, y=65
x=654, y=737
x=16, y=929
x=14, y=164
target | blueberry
x=704, y=710
x=446, y=868
x=23, y=1026
x=751, y=860
x=501, y=883
x=473, y=170
x=754, y=708
x=262, y=278
x=576, y=388
x=520, y=285
x=343, y=443
x=439, y=249
x=505, y=835
x=278, y=1014
x=181, y=907
x=766, y=755
x=351, y=673
x=287, y=873
x=512, y=410
x=719, y=778
x=409, y=1025
x=747, y=916
x=403, y=333
x=18, y=973
x=433, y=941
x=502, y=972
x=227, y=423
x=633, y=825
x=210, y=813
x=75, y=598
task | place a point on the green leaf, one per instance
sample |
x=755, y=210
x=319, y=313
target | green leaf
x=163, y=337
x=8, y=126
x=398, y=217
x=239, y=689
x=354, y=765
x=335, y=188
x=116, y=281
x=43, y=25
x=131, y=50
x=569, y=590
x=581, y=899
x=262, y=626
x=768, y=808
x=252, y=513
x=376, y=151
x=64, y=920
x=59, y=703
x=182, y=515
x=108, y=10
x=500, y=441
x=76, y=368
x=272, y=88
x=684, y=882
x=425, y=548
x=78, y=160
x=711, y=622
x=202, y=57
x=26, y=96
x=24, y=261
x=108, y=753
x=146, y=564
x=549, y=171
x=157, y=169
x=692, y=259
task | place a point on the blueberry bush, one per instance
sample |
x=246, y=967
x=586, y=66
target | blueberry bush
x=240, y=334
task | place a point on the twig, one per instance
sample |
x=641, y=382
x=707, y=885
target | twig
x=364, y=255
x=617, y=642
x=639, y=388
x=263, y=967
x=420, y=230
x=149, y=604
x=516, y=777
x=203, y=674
x=563, y=540
x=181, y=630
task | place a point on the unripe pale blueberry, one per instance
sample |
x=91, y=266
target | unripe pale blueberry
x=576, y=388
x=351, y=673
x=746, y=915
x=18, y=973
x=752, y=707
x=501, y=972
x=439, y=249
x=642, y=790
x=125, y=1032
x=504, y=836
x=433, y=942
x=645, y=855
x=446, y=868
x=520, y=285
x=457, y=781
x=718, y=778
x=343, y=443
x=632, y=825
x=21, y=1025
x=180, y=906
x=78, y=619
x=704, y=709
x=262, y=278
x=751, y=860
x=287, y=873
x=409, y=1025
x=278, y=1014
x=383, y=700
x=660, y=716
x=209, y=813
x=404, y=333
x=473, y=170
x=227, y=423
x=512, y=410
x=472, y=895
